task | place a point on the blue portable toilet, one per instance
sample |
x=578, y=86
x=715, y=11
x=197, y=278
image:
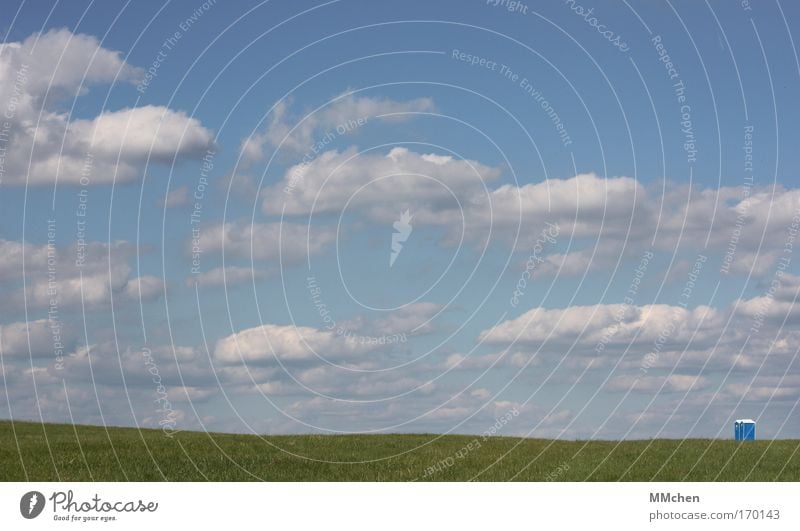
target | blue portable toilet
x=744, y=430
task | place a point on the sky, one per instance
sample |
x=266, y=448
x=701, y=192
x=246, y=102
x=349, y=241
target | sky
x=377, y=217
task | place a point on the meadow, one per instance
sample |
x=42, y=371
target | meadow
x=60, y=452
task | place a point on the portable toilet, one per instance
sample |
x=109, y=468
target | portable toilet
x=744, y=430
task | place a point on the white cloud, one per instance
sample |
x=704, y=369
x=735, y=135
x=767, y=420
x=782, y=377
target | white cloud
x=265, y=343
x=609, y=217
x=135, y=134
x=51, y=273
x=299, y=134
x=378, y=184
x=614, y=324
x=46, y=69
x=779, y=300
x=412, y=319
x=265, y=240
x=11, y=258
x=747, y=335
x=147, y=287
x=59, y=61
x=176, y=198
x=40, y=338
x=95, y=289
x=762, y=388
x=601, y=218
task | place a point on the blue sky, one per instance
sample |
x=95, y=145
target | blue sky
x=602, y=208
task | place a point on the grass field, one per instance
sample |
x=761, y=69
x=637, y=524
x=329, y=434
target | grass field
x=59, y=452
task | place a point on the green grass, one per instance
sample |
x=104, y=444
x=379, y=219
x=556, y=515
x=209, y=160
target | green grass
x=53, y=452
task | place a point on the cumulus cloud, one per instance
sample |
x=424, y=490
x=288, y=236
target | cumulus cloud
x=378, y=184
x=53, y=274
x=11, y=258
x=616, y=324
x=265, y=343
x=341, y=115
x=609, y=217
x=783, y=388
x=176, y=198
x=778, y=302
x=135, y=134
x=99, y=395
x=601, y=218
x=58, y=61
x=47, y=69
x=654, y=348
x=412, y=319
x=260, y=241
x=37, y=339
x=94, y=290
x=108, y=362
x=581, y=205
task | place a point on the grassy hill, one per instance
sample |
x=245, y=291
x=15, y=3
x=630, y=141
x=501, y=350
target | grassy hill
x=53, y=452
